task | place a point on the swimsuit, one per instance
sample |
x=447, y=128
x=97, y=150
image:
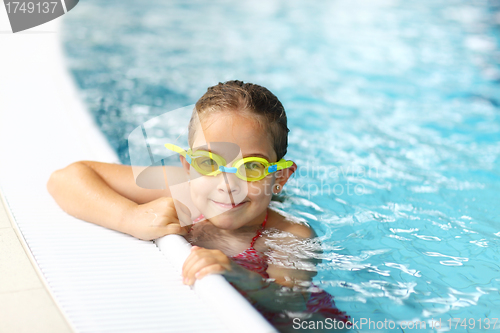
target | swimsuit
x=319, y=301
x=252, y=259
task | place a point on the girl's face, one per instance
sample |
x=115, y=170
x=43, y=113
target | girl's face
x=212, y=195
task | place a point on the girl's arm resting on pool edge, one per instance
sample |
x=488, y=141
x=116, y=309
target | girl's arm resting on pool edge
x=107, y=195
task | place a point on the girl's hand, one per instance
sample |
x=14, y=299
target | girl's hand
x=201, y=262
x=158, y=218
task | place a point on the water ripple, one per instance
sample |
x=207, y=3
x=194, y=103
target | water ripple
x=394, y=113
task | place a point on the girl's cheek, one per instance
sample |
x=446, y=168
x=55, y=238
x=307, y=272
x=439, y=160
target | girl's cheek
x=201, y=187
x=258, y=190
x=199, y=194
x=253, y=189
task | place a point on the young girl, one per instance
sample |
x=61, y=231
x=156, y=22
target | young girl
x=236, y=234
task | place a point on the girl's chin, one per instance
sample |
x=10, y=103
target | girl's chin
x=223, y=224
x=225, y=217
x=223, y=221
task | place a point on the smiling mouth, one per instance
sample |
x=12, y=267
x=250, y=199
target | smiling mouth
x=229, y=205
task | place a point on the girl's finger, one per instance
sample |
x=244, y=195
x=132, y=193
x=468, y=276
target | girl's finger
x=209, y=258
x=197, y=266
x=170, y=221
x=213, y=269
x=190, y=261
x=174, y=228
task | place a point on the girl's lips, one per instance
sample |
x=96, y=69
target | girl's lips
x=228, y=206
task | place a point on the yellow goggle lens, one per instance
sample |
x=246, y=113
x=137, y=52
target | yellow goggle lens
x=206, y=164
x=252, y=170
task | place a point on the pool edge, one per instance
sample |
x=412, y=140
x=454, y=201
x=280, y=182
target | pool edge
x=25, y=316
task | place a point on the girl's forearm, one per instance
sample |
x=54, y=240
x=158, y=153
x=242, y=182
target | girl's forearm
x=265, y=292
x=81, y=192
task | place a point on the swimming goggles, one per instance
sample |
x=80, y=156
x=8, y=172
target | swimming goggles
x=249, y=169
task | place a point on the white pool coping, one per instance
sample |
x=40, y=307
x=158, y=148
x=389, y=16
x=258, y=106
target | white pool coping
x=73, y=275
x=26, y=305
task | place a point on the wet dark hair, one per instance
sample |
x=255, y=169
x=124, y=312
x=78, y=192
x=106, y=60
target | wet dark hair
x=246, y=99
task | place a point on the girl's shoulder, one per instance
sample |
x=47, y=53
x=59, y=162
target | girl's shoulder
x=282, y=223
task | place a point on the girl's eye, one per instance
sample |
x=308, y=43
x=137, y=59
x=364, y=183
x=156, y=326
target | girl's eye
x=208, y=162
x=207, y=165
x=253, y=166
x=252, y=170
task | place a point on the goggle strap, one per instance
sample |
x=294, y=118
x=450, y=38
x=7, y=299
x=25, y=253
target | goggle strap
x=283, y=165
x=175, y=148
x=180, y=151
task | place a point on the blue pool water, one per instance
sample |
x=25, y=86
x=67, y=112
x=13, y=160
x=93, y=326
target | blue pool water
x=394, y=112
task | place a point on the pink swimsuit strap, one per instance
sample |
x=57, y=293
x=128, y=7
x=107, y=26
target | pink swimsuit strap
x=252, y=259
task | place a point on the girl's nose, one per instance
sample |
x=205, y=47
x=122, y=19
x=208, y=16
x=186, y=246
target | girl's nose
x=229, y=183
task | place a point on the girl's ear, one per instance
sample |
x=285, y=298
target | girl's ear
x=185, y=163
x=283, y=175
